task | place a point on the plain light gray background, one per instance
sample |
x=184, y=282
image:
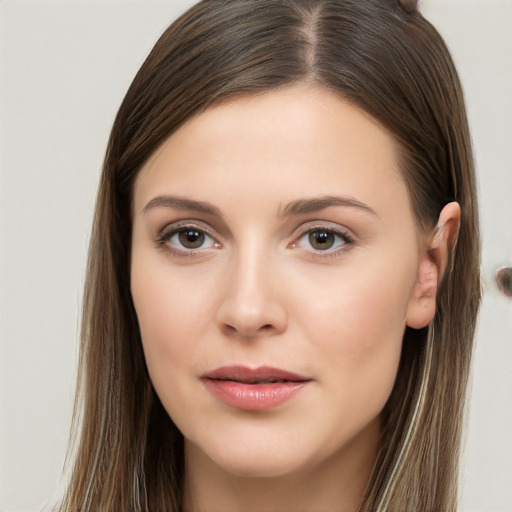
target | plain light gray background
x=64, y=68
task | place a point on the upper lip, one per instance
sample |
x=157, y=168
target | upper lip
x=248, y=375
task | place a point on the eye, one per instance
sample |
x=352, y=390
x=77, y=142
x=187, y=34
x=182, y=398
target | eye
x=323, y=240
x=186, y=239
x=189, y=238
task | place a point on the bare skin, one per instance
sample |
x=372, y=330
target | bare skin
x=276, y=231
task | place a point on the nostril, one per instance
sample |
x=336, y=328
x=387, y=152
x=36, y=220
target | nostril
x=230, y=329
x=247, y=331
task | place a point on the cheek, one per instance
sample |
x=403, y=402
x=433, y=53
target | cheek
x=368, y=303
x=170, y=313
x=168, y=299
x=357, y=326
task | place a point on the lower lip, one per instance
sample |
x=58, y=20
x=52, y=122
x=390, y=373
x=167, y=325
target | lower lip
x=253, y=397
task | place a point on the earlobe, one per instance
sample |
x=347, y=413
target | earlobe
x=432, y=267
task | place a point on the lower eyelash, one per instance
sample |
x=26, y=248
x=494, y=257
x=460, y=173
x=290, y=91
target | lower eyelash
x=347, y=239
x=165, y=234
x=161, y=242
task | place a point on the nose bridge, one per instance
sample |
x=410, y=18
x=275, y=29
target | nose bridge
x=252, y=304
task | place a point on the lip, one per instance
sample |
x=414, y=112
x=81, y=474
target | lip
x=253, y=389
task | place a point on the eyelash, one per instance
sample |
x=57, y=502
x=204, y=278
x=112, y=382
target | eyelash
x=346, y=241
x=166, y=234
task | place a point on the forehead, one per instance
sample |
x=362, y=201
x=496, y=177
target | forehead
x=298, y=141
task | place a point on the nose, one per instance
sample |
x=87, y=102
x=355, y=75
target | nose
x=253, y=303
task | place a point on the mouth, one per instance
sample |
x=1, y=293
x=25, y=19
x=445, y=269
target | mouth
x=253, y=388
x=262, y=374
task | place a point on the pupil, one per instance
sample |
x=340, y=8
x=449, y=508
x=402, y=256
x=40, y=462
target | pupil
x=321, y=240
x=191, y=238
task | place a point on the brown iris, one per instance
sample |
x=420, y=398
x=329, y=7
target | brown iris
x=321, y=239
x=191, y=238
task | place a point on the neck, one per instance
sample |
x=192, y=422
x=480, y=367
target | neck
x=334, y=485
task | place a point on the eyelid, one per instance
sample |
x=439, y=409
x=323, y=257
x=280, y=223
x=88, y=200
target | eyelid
x=322, y=224
x=166, y=232
x=338, y=230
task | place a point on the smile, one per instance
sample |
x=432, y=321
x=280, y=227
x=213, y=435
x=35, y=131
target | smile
x=253, y=389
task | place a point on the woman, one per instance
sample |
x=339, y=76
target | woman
x=283, y=276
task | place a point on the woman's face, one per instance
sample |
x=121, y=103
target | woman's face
x=273, y=267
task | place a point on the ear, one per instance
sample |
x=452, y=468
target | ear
x=432, y=266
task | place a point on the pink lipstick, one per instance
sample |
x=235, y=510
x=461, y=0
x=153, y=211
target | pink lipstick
x=253, y=389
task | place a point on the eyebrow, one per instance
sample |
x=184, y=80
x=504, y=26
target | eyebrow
x=317, y=203
x=297, y=207
x=181, y=203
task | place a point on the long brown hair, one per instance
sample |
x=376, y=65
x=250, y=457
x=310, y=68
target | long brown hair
x=387, y=60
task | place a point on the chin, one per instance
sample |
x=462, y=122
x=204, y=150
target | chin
x=263, y=466
x=248, y=459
